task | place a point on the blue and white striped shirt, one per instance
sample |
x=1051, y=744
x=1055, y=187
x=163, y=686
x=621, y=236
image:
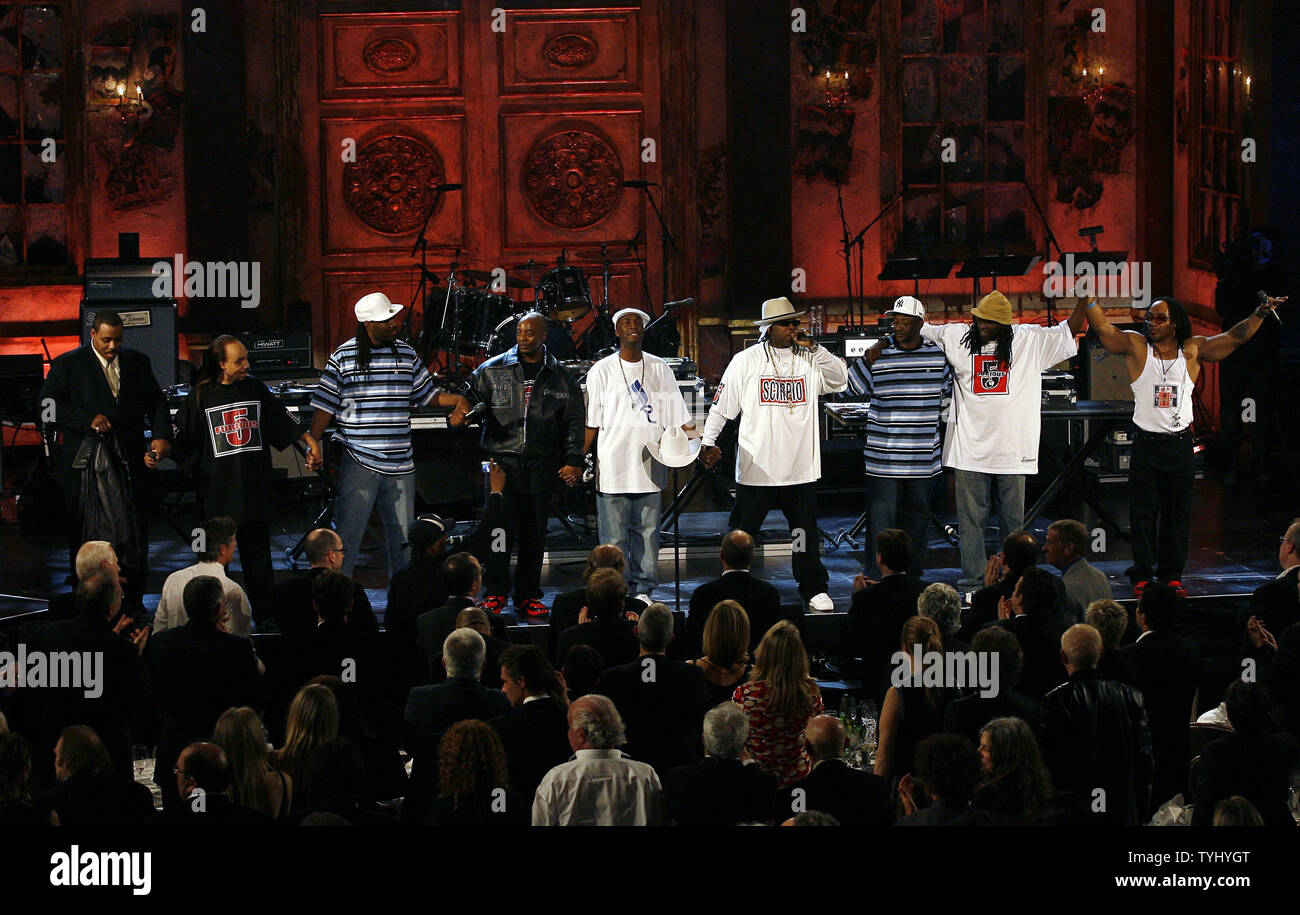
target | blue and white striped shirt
x=906, y=389
x=373, y=409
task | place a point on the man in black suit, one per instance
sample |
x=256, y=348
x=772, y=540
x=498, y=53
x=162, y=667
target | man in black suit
x=476, y=618
x=875, y=619
x=720, y=790
x=603, y=624
x=431, y=710
x=535, y=732
x=108, y=697
x=1168, y=668
x=1029, y=615
x=294, y=614
x=199, y=671
x=662, y=701
x=463, y=577
x=760, y=600
x=567, y=606
x=968, y=715
x=1019, y=552
x=89, y=793
x=105, y=389
x=416, y=588
x=1276, y=604
x=202, y=781
x=854, y=798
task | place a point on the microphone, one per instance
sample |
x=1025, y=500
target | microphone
x=1263, y=300
x=680, y=303
x=639, y=184
x=448, y=187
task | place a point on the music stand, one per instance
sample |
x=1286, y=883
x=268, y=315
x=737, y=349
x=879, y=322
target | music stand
x=994, y=266
x=916, y=269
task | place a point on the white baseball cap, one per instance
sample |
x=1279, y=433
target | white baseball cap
x=645, y=318
x=375, y=307
x=907, y=305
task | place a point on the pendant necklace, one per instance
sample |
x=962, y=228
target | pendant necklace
x=627, y=385
x=1164, y=377
x=777, y=371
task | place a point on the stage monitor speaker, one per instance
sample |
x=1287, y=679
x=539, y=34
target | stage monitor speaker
x=1107, y=374
x=147, y=327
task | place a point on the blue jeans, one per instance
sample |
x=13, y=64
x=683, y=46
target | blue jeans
x=631, y=521
x=360, y=490
x=973, y=510
x=903, y=503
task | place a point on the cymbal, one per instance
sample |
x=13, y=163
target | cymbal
x=531, y=265
x=611, y=247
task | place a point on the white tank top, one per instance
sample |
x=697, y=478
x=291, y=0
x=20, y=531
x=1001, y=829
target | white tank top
x=1162, y=395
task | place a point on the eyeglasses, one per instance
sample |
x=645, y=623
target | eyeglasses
x=1157, y=319
x=793, y=322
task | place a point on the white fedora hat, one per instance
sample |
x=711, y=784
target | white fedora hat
x=375, y=306
x=778, y=310
x=675, y=448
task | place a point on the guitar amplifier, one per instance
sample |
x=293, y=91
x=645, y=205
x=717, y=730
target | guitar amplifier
x=277, y=354
x=113, y=280
x=147, y=326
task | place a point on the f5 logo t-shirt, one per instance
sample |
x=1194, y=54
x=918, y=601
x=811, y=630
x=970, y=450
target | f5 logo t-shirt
x=989, y=375
x=235, y=427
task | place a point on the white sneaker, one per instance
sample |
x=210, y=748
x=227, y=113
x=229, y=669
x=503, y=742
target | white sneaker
x=821, y=603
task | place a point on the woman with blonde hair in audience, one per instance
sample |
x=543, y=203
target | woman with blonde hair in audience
x=726, y=653
x=913, y=712
x=253, y=783
x=779, y=698
x=313, y=720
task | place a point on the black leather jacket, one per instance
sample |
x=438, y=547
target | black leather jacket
x=1097, y=738
x=555, y=424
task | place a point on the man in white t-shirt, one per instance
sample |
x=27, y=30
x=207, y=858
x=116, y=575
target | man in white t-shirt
x=996, y=415
x=773, y=387
x=218, y=549
x=632, y=397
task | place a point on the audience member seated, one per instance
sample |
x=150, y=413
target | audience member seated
x=854, y=798
x=1237, y=811
x=1066, y=548
x=662, y=701
x=199, y=671
x=1255, y=761
x=911, y=712
x=337, y=787
x=203, y=784
x=726, y=654
x=90, y=795
x=294, y=614
x=16, y=808
x=1002, y=572
x=721, y=789
x=474, y=784
x=760, y=599
x=968, y=715
x=415, y=588
x=1096, y=736
x=218, y=541
x=568, y=604
x=93, y=556
x=463, y=576
x=602, y=623
x=942, y=603
x=947, y=774
x=535, y=731
x=313, y=720
x=1014, y=787
x=431, y=710
x=1110, y=619
x=476, y=618
x=880, y=609
x=779, y=698
x=582, y=667
x=1028, y=614
x=253, y=783
x=1276, y=604
x=599, y=786
x=122, y=690
x=385, y=770
x=1168, y=669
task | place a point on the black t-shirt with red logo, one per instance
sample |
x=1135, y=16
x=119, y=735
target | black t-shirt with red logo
x=226, y=439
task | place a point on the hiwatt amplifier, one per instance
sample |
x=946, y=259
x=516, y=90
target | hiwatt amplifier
x=115, y=280
x=148, y=327
x=278, y=354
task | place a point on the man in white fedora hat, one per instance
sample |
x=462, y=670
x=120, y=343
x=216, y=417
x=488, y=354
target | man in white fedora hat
x=633, y=402
x=905, y=378
x=368, y=388
x=773, y=387
x=996, y=416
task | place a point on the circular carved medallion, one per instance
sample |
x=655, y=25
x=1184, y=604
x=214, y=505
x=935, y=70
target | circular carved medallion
x=572, y=179
x=390, y=54
x=570, y=51
x=391, y=185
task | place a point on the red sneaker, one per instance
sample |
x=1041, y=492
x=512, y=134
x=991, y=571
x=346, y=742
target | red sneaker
x=532, y=608
x=493, y=603
x=1139, y=588
x=1178, y=586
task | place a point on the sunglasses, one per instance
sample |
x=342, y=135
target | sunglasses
x=793, y=322
x=1157, y=319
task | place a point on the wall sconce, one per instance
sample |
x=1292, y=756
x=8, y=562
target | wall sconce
x=836, y=85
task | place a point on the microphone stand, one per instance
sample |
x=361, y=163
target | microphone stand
x=847, y=247
x=860, y=238
x=1049, y=239
x=665, y=244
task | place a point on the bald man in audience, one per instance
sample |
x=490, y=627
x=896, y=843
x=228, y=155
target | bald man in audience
x=294, y=613
x=853, y=797
x=203, y=782
x=760, y=599
x=1097, y=742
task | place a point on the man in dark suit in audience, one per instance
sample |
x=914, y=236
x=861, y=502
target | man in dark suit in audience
x=1168, y=668
x=416, y=588
x=112, y=691
x=294, y=614
x=199, y=671
x=1276, y=604
x=202, y=782
x=760, y=600
x=463, y=577
x=662, y=701
x=566, y=606
x=1029, y=615
x=875, y=619
x=720, y=790
x=1111, y=620
x=535, y=731
x=854, y=798
x=603, y=624
x=93, y=556
x=1019, y=552
x=431, y=710
x=967, y=715
x=89, y=794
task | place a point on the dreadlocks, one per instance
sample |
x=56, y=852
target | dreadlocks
x=363, y=348
x=1003, y=341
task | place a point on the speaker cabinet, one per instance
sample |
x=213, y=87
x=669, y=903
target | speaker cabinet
x=147, y=327
x=1107, y=374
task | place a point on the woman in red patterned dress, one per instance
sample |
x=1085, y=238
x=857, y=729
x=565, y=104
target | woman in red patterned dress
x=779, y=698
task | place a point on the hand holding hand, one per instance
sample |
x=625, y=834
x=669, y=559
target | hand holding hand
x=710, y=454
x=571, y=475
x=458, y=413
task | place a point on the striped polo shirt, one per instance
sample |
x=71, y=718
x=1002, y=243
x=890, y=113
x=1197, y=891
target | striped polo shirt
x=372, y=409
x=906, y=390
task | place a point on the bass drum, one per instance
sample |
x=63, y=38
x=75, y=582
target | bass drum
x=558, y=342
